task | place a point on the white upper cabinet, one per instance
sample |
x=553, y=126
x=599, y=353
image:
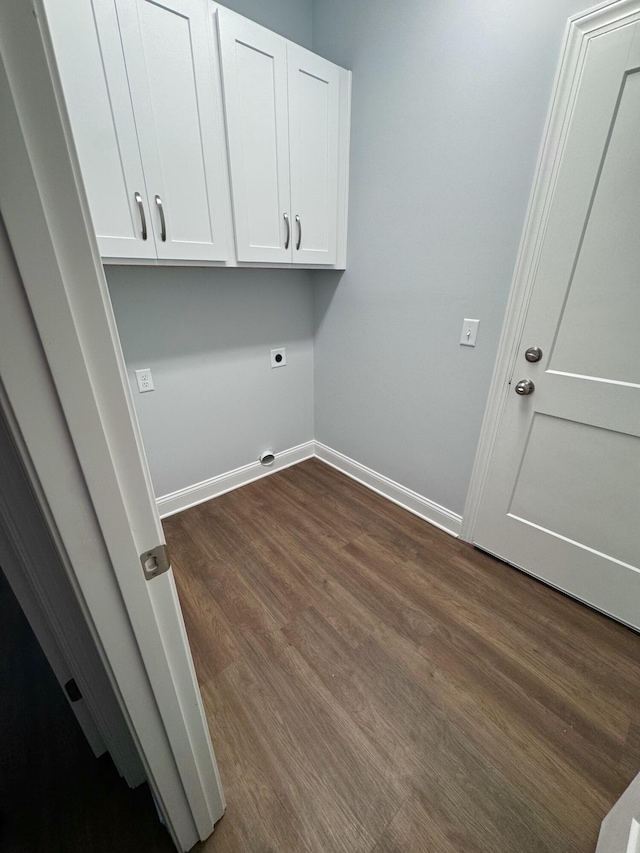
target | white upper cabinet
x=180, y=125
x=94, y=80
x=191, y=123
x=254, y=68
x=314, y=133
x=288, y=134
x=139, y=81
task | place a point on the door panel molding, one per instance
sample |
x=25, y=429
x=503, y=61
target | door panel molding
x=580, y=30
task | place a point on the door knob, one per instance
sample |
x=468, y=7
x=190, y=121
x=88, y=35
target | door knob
x=524, y=387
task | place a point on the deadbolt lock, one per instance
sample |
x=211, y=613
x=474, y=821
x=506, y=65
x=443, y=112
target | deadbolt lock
x=533, y=354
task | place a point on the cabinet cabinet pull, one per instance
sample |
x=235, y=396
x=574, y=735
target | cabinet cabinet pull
x=163, y=224
x=286, y=241
x=143, y=219
x=299, y=221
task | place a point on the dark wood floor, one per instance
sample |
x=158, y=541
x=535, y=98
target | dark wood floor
x=373, y=684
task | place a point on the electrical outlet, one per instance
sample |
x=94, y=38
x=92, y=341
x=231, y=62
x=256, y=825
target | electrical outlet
x=144, y=380
x=469, y=332
x=278, y=357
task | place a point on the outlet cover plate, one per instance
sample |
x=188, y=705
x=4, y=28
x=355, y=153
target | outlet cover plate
x=144, y=380
x=278, y=357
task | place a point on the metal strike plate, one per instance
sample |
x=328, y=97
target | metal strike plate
x=155, y=562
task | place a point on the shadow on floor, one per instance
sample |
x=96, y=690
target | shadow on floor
x=54, y=794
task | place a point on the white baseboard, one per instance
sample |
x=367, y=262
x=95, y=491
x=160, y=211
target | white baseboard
x=432, y=512
x=216, y=486
x=190, y=496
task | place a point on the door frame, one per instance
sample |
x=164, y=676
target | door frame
x=27, y=545
x=63, y=372
x=581, y=28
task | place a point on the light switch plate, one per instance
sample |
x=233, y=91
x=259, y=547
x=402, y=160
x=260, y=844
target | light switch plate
x=469, y=332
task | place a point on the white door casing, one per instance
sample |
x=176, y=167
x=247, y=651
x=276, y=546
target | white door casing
x=556, y=487
x=81, y=433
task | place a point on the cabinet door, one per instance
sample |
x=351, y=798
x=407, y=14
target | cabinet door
x=177, y=105
x=96, y=92
x=254, y=72
x=314, y=138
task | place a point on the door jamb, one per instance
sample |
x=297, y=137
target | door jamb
x=29, y=544
x=581, y=28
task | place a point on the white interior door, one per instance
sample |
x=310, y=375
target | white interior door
x=562, y=494
x=67, y=387
x=178, y=108
x=96, y=90
x=314, y=138
x=254, y=73
x=620, y=830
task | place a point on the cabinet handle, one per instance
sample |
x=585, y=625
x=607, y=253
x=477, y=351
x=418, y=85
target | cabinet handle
x=163, y=224
x=286, y=242
x=143, y=219
x=299, y=221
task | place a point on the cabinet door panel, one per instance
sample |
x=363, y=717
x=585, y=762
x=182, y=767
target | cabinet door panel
x=314, y=134
x=254, y=71
x=96, y=91
x=179, y=118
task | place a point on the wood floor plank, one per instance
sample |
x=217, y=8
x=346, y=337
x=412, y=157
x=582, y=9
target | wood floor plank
x=374, y=685
x=316, y=734
x=421, y=739
x=212, y=641
x=260, y=813
x=539, y=641
x=415, y=829
x=561, y=690
x=562, y=799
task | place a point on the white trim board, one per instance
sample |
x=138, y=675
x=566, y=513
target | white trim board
x=426, y=509
x=214, y=487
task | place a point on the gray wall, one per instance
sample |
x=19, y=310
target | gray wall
x=449, y=102
x=292, y=19
x=206, y=335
